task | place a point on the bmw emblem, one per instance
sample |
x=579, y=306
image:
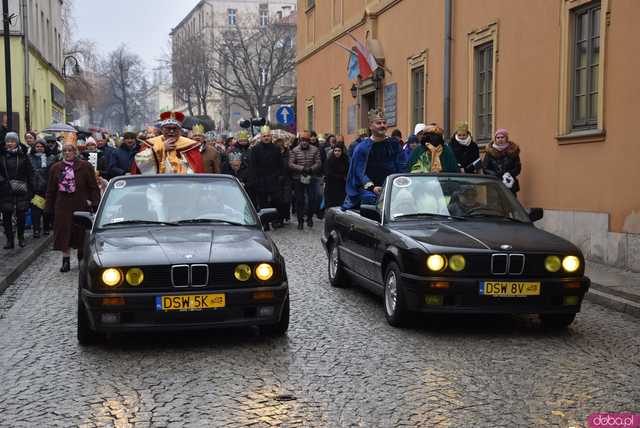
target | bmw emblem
x=188, y=256
x=505, y=247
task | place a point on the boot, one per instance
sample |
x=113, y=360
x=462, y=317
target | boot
x=66, y=265
x=300, y=225
x=36, y=233
x=10, y=245
x=310, y=221
x=21, y=241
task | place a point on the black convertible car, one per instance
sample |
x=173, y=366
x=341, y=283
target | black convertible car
x=168, y=252
x=453, y=243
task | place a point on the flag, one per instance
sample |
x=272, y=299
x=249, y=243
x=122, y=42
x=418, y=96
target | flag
x=363, y=64
x=353, y=68
x=368, y=56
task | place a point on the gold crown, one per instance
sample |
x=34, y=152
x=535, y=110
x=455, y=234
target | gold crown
x=265, y=130
x=197, y=129
x=376, y=114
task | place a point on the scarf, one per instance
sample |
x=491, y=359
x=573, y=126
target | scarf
x=67, y=179
x=436, y=151
x=501, y=147
x=43, y=159
x=464, y=142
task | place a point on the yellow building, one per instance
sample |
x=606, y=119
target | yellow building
x=559, y=74
x=45, y=88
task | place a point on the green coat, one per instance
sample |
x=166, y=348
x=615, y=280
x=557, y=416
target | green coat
x=421, y=160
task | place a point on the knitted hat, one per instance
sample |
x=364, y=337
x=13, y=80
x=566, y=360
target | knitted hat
x=502, y=132
x=11, y=136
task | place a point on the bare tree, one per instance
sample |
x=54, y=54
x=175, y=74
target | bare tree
x=253, y=65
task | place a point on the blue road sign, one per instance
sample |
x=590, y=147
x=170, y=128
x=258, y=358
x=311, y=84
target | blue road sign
x=285, y=115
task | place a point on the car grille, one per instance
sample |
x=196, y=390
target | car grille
x=180, y=276
x=503, y=264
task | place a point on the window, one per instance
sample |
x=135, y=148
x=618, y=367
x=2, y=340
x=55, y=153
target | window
x=231, y=16
x=586, y=62
x=417, y=95
x=310, y=117
x=264, y=15
x=337, y=113
x=311, y=3
x=483, y=92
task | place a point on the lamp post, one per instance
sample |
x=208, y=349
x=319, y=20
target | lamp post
x=76, y=66
x=6, y=20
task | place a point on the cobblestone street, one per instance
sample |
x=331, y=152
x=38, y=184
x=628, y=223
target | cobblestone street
x=341, y=364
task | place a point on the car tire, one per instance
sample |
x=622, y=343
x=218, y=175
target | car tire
x=337, y=276
x=557, y=321
x=395, y=309
x=281, y=327
x=86, y=336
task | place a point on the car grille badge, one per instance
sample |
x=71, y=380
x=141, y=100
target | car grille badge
x=505, y=247
x=188, y=256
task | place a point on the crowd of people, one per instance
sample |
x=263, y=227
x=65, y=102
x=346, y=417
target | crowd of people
x=299, y=175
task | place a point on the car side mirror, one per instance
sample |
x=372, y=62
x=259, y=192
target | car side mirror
x=268, y=215
x=536, y=214
x=371, y=212
x=83, y=219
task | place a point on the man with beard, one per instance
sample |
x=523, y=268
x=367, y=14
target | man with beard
x=374, y=159
x=265, y=173
x=210, y=156
x=122, y=157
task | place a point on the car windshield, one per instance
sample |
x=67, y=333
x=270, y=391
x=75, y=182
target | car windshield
x=460, y=198
x=172, y=202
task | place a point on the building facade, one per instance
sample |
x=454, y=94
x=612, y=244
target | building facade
x=37, y=84
x=207, y=20
x=557, y=73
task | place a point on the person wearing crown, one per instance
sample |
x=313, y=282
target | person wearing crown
x=373, y=160
x=169, y=153
x=210, y=156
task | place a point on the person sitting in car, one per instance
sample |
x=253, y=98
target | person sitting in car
x=464, y=201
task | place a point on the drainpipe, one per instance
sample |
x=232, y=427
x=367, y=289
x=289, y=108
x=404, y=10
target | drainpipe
x=27, y=93
x=7, y=63
x=446, y=122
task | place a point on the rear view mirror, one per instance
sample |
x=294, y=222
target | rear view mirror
x=268, y=215
x=83, y=219
x=371, y=212
x=536, y=214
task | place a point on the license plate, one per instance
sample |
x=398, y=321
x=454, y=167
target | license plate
x=509, y=289
x=191, y=302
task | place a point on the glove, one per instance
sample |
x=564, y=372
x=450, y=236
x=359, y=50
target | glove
x=508, y=180
x=306, y=170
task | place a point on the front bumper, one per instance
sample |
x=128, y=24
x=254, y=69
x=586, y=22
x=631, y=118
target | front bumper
x=139, y=313
x=463, y=296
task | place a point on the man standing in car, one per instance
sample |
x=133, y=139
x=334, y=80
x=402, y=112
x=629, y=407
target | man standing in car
x=374, y=159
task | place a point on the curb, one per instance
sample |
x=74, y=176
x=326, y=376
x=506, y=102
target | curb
x=617, y=301
x=24, y=263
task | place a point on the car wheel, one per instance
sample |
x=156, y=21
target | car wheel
x=86, y=336
x=557, y=321
x=394, y=301
x=337, y=276
x=281, y=327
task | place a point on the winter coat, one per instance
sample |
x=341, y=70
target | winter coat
x=336, y=170
x=41, y=172
x=466, y=155
x=210, y=160
x=87, y=195
x=242, y=174
x=122, y=160
x=421, y=160
x=301, y=159
x=107, y=153
x=497, y=163
x=15, y=166
x=265, y=168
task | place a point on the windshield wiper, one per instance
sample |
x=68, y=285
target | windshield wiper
x=413, y=215
x=124, y=222
x=211, y=220
x=515, y=220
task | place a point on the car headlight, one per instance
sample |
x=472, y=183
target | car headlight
x=553, y=263
x=571, y=263
x=457, y=262
x=112, y=277
x=264, y=271
x=436, y=262
x=134, y=276
x=242, y=273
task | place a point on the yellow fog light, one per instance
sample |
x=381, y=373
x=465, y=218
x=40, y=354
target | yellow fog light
x=242, y=273
x=457, y=263
x=436, y=262
x=134, y=276
x=552, y=263
x=431, y=299
x=571, y=263
x=111, y=277
x=571, y=300
x=264, y=271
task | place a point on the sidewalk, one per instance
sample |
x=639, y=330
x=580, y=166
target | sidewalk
x=614, y=288
x=14, y=262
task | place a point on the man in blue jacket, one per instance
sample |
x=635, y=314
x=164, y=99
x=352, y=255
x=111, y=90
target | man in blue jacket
x=373, y=160
x=122, y=157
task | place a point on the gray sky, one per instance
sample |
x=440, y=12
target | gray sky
x=144, y=25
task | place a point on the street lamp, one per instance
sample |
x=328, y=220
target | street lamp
x=378, y=77
x=354, y=90
x=76, y=66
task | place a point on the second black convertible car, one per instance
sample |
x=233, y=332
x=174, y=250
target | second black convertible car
x=169, y=252
x=453, y=243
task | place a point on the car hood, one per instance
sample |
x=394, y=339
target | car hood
x=487, y=235
x=183, y=244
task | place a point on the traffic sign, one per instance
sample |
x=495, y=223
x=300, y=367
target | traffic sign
x=285, y=115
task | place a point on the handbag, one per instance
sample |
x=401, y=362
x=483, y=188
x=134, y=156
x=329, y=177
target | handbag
x=18, y=187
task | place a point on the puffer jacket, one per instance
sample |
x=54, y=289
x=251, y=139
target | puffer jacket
x=41, y=172
x=497, y=163
x=15, y=166
x=309, y=158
